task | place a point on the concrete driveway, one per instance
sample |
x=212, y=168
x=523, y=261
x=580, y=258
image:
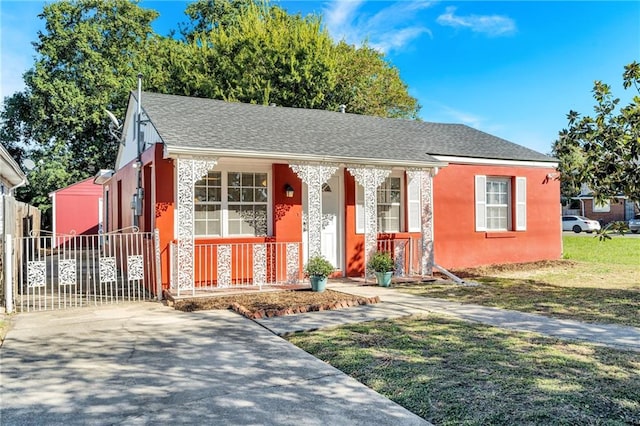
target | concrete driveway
x=148, y=364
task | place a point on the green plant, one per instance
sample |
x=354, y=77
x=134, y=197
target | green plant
x=318, y=266
x=381, y=261
x=619, y=227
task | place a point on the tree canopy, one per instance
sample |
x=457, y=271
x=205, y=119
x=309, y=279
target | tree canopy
x=603, y=151
x=90, y=52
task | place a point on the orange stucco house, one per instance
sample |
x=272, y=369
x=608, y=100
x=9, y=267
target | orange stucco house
x=243, y=194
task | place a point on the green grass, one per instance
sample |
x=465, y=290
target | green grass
x=451, y=372
x=600, y=284
x=616, y=251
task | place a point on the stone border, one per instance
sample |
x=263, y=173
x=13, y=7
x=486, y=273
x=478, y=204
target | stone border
x=269, y=313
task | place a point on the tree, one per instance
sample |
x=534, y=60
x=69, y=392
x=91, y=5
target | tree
x=87, y=60
x=603, y=151
x=91, y=51
x=255, y=52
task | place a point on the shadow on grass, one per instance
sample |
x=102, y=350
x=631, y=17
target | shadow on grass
x=597, y=305
x=453, y=372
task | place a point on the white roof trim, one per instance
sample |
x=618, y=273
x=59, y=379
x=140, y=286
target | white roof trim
x=496, y=162
x=13, y=173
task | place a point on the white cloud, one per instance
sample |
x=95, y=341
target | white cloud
x=391, y=28
x=463, y=117
x=493, y=25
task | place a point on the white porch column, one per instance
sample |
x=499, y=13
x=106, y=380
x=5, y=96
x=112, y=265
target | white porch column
x=189, y=172
x=370, y=179
x=426, y=217
x=314, y=175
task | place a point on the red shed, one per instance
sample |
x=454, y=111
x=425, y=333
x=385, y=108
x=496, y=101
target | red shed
x=77, y=209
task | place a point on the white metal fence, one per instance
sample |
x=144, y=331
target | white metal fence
x=64, y=271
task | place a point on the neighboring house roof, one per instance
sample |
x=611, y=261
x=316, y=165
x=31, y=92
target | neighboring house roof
x=185, y=123
x=10, y=171
x=83, y=187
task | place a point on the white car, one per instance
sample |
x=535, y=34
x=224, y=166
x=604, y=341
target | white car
x=578, y=224
x=634, y=224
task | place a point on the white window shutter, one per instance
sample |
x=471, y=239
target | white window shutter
x=521, y=203
x=359, y=209
x=413, y=205
x=481, y=203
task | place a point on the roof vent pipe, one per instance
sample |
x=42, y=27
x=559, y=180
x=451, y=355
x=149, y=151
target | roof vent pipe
x=343, y=108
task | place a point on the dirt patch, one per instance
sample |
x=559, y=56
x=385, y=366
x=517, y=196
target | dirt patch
x=271, y=304
x=510, y=267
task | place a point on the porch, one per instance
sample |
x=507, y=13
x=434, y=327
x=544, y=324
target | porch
x=235, y=268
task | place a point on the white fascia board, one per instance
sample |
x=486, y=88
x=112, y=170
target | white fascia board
x=495, y=162
x=13, y=174
x=200, y=153
x=129, y=120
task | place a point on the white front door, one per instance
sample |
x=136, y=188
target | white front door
x=331, y=235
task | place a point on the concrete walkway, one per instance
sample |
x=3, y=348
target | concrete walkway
x=146, y=363
x=397, y=304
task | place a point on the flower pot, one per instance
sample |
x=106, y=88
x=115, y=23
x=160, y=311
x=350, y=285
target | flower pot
x=318, y=283
x=384, y=278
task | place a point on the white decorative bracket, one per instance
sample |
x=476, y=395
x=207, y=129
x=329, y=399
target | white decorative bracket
x=189, y=172
x=370, y=179
x=314, y=175
x=426, y=206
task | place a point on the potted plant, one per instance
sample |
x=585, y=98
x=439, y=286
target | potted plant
x=382, y=264
x=318, y=269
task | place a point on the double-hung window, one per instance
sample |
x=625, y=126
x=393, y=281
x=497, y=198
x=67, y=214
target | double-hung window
x=496, y=205
x=231, y=204
x=389, y=202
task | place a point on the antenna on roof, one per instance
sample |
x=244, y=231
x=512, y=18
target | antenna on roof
x=115, y=127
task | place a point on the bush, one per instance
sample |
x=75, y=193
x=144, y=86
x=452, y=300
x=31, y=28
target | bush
x=381, y=261
x=318, y=266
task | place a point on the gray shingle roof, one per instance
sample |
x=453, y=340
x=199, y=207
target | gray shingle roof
x=207, y=124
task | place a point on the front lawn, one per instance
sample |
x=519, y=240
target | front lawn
x=600, y=284
x=452, y=372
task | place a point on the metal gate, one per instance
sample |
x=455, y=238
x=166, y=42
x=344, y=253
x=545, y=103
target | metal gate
x=68, y=271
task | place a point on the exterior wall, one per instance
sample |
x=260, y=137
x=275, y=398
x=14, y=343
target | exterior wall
x=458, y=244
x=76, y=208
x=615, y=213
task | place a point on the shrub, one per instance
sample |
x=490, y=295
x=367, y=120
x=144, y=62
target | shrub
x=318, y=266
x=381, y=261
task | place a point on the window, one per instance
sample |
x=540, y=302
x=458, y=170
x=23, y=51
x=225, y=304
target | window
x=495, y=205
x=603, y=207
x=498, y=195
x=389, y=200
x=231, y=204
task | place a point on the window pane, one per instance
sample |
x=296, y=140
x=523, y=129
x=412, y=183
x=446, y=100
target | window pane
x=234, y=227
x=261, y=180
x=394, y=183
x=261, y=195
x=200, y=227
x=233, y=194
x=247, y=179
x=247, y=195
x=214, y=194
x=234, y=179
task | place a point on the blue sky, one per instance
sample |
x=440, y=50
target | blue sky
x=512, y=69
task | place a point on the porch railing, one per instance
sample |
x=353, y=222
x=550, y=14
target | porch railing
x=406, y=253
x=219, y=266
